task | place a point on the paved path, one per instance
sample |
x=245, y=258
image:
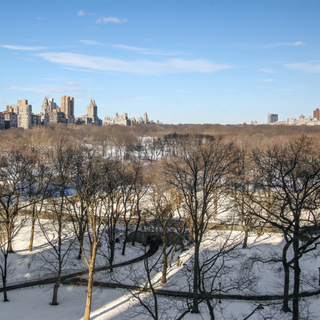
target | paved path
x=152, y=250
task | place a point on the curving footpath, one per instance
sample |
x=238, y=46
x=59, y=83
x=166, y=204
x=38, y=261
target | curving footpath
x=75, y=279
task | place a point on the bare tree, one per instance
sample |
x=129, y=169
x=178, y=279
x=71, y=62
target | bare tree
x=14, y=185
x=90, y=192
x=39, y=177
x=164, y=210
x=4, y=265
x=197, y=169
x=292, y=174
x=144, y=290
x=240, y=185
x=60, y=156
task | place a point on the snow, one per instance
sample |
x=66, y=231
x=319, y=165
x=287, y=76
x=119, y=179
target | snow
x=34, y=303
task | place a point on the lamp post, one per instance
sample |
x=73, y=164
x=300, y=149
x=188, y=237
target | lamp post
x=220, y=290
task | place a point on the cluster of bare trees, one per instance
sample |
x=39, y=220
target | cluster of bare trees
x=81, y=190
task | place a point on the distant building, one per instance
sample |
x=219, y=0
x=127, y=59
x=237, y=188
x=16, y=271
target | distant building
x=67, y=107
x=92, y=112
x=56, y=117
x=272, y=118
x=145, y=118
x=11, y=120
x=23, y=110
x=2, y=121
x=125, y=121
x=36, y=119
x=316, y=114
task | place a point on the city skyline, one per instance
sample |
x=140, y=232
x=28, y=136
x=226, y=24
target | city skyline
x=181, y=62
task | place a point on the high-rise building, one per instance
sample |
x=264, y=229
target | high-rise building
x=92, y=112
x=23, y=110
x=145, y=118
x=316, y=114
x=67, y=107
x=272, y=118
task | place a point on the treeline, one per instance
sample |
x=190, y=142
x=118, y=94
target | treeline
x=99, y=177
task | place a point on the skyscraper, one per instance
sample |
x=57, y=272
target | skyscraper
x=272, y=118
x=67, y=106
x=92, y=112
x=23, y=110
x=316, y=114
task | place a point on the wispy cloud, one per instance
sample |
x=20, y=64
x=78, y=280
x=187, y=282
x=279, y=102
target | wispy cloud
x=106, y=20
x=13, y=47
x=57, y=90
x=144, y=50
x=90, y=42
x=79, y=90
x=280, y=44
x=40, y=88
x=139, y=67
x=267, y=80
x=307, y=67
x=125, y=96
x=125, y=47
x=269, y=70
x=80, y=13
x=2, y=101
x=88, y=96
x=71, y=83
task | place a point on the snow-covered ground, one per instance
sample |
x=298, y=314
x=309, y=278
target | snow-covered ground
x=34, y=303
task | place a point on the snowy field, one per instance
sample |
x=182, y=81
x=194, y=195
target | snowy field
x=34, y=302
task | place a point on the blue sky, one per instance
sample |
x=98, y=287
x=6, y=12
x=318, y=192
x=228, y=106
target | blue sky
x=181, y=61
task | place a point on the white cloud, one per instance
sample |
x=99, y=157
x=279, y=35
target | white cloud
x=125, y=96
x=89, y=42
x=39, y=88
x=139, y=67
x=80, y=13
x=1, y=102
x=106, y=20
x=125, y=47
x=144, y=50
x=12, y=47
x=307, y=67
x=79, y=90
x=57, y=90
x=269, y=70
x=71, y=83
x=280, y=44
x=267, y=80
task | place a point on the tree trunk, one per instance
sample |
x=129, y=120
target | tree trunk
x=296, y=268
x=245, y=240
x=196, y=276
x=137, y=227
x=4, y=278
x=112, y=243
x=125, y=241
x=286, y=268
x=165, y=263
x=81, y=236
x=210, y=309
x=9, y=237
x=90, y=282
x=32, y=232
x=55, y=291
